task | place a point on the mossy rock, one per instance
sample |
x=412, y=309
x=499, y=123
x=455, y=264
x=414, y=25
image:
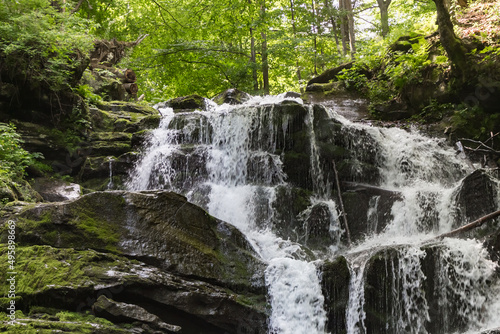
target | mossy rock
x=160, y=227
x=187, y=103
x=231, y=96
x=51, y=280
x=119, y=116
x=111, y=136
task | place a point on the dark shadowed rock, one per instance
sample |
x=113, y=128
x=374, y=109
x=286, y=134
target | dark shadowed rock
x=231, y=96
x=335, y=279
x=187, y=103
x=123, y=312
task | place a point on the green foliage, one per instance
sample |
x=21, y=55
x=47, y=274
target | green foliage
x=434, y=112
x=407, y=67
x=13, y=158
x=86, y=92
x=40, y=45
x=472, y=122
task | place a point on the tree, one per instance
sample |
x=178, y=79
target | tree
x=451, y=43
x=383, y=6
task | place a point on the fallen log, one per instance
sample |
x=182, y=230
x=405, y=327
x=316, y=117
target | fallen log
x=126, y=75
x=131, y=88
x=470, y=226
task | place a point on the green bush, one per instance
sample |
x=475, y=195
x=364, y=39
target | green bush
x=41, y=45
x=13, y=158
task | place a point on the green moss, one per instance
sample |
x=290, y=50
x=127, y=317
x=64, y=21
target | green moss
x=63, y=322
x=42, y=268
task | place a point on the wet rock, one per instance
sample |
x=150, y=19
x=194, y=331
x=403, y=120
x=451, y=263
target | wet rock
x=187, y=103
x=56, y=190
x=123, y=312
x=368, y=208
x=231, y=96
x=335, y=278
x=294, y=95
x=392, y=111
x=157, y=227
x=119, y=116
x=65, y=278
x=476, y=196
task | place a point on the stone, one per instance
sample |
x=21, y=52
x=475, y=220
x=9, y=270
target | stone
x=157, y=227
x=123, y=312
x=335, y=278
x=53, y=190
x=476, y=196
x=187, y=103
x=75, y=280
x=231, y=96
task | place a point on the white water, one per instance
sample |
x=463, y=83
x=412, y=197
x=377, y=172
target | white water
x=237, y=147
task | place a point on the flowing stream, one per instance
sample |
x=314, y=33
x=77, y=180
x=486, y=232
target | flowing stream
x=230, y=160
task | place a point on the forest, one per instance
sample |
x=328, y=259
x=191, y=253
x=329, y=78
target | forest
x=108, y=234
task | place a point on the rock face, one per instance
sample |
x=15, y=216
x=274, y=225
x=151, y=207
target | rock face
x=56, y=190
x=164, y=252
x=123, y=312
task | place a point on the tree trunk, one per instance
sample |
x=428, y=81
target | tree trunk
x=294, y=30
x=384, y=15
x=352, y=36
x=265, y=64
x=315, y=30
x=344, y=26
x=126, y=75
x=253, y=61
x=451, y=43
x=329, y=8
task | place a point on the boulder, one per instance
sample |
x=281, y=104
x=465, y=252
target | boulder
x=53, y=190
x=89, y=281
x=335, y=278
x=187, y=103
x=157, y=227
x=231, y=96
x=476, y=196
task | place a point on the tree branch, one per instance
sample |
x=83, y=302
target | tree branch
x=470, y=226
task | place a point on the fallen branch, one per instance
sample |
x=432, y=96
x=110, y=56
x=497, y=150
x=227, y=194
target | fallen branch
x=470, y=226
x=344, y=216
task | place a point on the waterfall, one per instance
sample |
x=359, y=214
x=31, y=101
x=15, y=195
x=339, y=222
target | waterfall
x=235, y=161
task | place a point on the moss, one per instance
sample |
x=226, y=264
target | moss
x=42, y=268
x=63, y=322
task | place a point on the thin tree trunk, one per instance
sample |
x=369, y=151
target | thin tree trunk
x=352, y=36
x=294, y=28
x=315, y=35
x=253, y=58
x=344, y=27
x=384, y=15
x=253, y=61
x=265, y=64
x=341, y=202
x=334, y=25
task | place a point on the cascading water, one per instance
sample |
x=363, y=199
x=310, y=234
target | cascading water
x=232, y=160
